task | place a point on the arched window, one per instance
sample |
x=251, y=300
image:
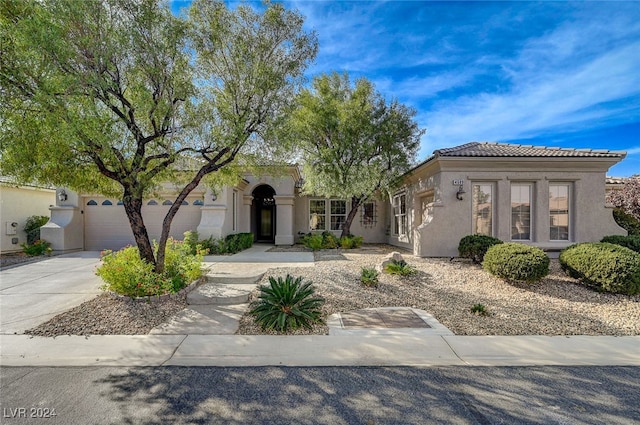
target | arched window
x=198, y=202
x=107, y=202
x=167, y=202
x=119, y=203
x=152, y=202
x=92, y=202
x=184, y=203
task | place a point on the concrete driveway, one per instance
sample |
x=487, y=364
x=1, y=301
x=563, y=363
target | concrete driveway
x=33, y=293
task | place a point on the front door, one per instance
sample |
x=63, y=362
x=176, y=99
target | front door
x=265, y=214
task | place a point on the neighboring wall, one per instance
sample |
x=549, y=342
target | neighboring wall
x=16, y=205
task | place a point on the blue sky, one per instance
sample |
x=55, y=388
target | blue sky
x=543, y=73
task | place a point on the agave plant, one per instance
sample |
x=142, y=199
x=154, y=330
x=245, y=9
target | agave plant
x=287, y=304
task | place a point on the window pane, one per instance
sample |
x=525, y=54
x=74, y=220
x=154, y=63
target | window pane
x=317, y=219
x=482, y=209
x=337, y=221
x=520, y=212
x=559, y=212
x=338, y=207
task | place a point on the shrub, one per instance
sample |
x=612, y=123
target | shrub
x=631, y=242
x=350, y=242
x=32, y=227
x=399, y=267
x=125, y=273
x=479, y=310
x=287, y=304
x=604, y=266
x=515, y=261
x=329, y=240
x=627, y=221
x=38, y=247
x=312, y=241
x=191, y=241
x=231, y=244
x=369, y=276
x=476, y=246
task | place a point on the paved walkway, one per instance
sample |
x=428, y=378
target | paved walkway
x=33, y=293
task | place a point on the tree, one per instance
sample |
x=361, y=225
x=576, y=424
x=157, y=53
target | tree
x=627, y=199
x=117, y=96
x=353, y=142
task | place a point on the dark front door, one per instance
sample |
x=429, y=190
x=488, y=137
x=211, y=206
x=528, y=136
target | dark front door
x=265, y=214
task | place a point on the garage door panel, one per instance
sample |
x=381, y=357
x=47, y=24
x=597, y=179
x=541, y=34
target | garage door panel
x=107, y=226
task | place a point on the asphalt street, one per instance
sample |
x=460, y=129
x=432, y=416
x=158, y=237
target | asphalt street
x=320, y=395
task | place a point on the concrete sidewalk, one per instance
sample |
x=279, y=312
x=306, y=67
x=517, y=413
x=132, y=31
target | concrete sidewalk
x=345, y=350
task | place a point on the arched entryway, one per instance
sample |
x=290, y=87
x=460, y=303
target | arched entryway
x=263, y=211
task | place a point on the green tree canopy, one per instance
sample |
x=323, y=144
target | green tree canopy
x=353, y=143
x=117, y=96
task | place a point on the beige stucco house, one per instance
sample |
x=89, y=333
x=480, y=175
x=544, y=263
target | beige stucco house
x=17, y=203
x=547, y=197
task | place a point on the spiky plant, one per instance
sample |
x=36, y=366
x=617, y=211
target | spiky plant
x=399, y=267
x=479, y=310
x=369, y=276
x=287, y=304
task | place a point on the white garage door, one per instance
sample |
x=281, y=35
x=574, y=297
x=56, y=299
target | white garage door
x=106, y=225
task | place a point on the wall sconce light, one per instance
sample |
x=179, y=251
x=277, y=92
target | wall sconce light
x=460, y=193
x=62, y=196
x=214, y=196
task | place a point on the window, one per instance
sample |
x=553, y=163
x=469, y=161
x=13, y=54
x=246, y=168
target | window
x=317, y=214
x=521, y=212
x=368, y=216
x=559, y=212
x=234, y=211
x=482, y=200
x=198, y=202
x=152, y=202
x=400, y=214
x=92, y=202
x=167, y=202
x=107, y=202
x=338, y=214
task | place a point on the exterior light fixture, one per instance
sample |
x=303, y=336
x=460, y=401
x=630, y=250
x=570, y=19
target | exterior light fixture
x=460, y=193
x=62, y=196
x=214, y=196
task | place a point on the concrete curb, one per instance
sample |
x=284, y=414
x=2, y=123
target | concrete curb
x=319, y=350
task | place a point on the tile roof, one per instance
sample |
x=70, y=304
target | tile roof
x=493, y=149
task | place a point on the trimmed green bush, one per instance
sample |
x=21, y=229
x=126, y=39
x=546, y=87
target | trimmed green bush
x=126, y=274
x=631, y=242
x=369, y=276
x=476, y=246
x=604, y=266
x=287, y=304
x=627, y=221
x=515, y=261
x=329, y=240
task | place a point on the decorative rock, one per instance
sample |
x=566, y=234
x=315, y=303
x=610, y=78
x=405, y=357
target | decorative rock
x=394, y=256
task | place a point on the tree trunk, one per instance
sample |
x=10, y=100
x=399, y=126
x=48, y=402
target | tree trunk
x=346, y=227
x=133, y=208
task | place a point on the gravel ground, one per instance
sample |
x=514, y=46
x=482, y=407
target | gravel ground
x=558, y=305
x=14, y=258
x=107, y=315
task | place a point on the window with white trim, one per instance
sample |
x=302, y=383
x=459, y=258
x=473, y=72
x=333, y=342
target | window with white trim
x=559, y=210
x=400, y=214
x=338, y=213
x=521, y=211
x=482, y=208
x=317, y=214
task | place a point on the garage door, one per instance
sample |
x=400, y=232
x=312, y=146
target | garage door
x=106, y=225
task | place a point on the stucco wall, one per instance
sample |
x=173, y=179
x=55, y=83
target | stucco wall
x=450, y=219
x=372, y=233
x=16, y=205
